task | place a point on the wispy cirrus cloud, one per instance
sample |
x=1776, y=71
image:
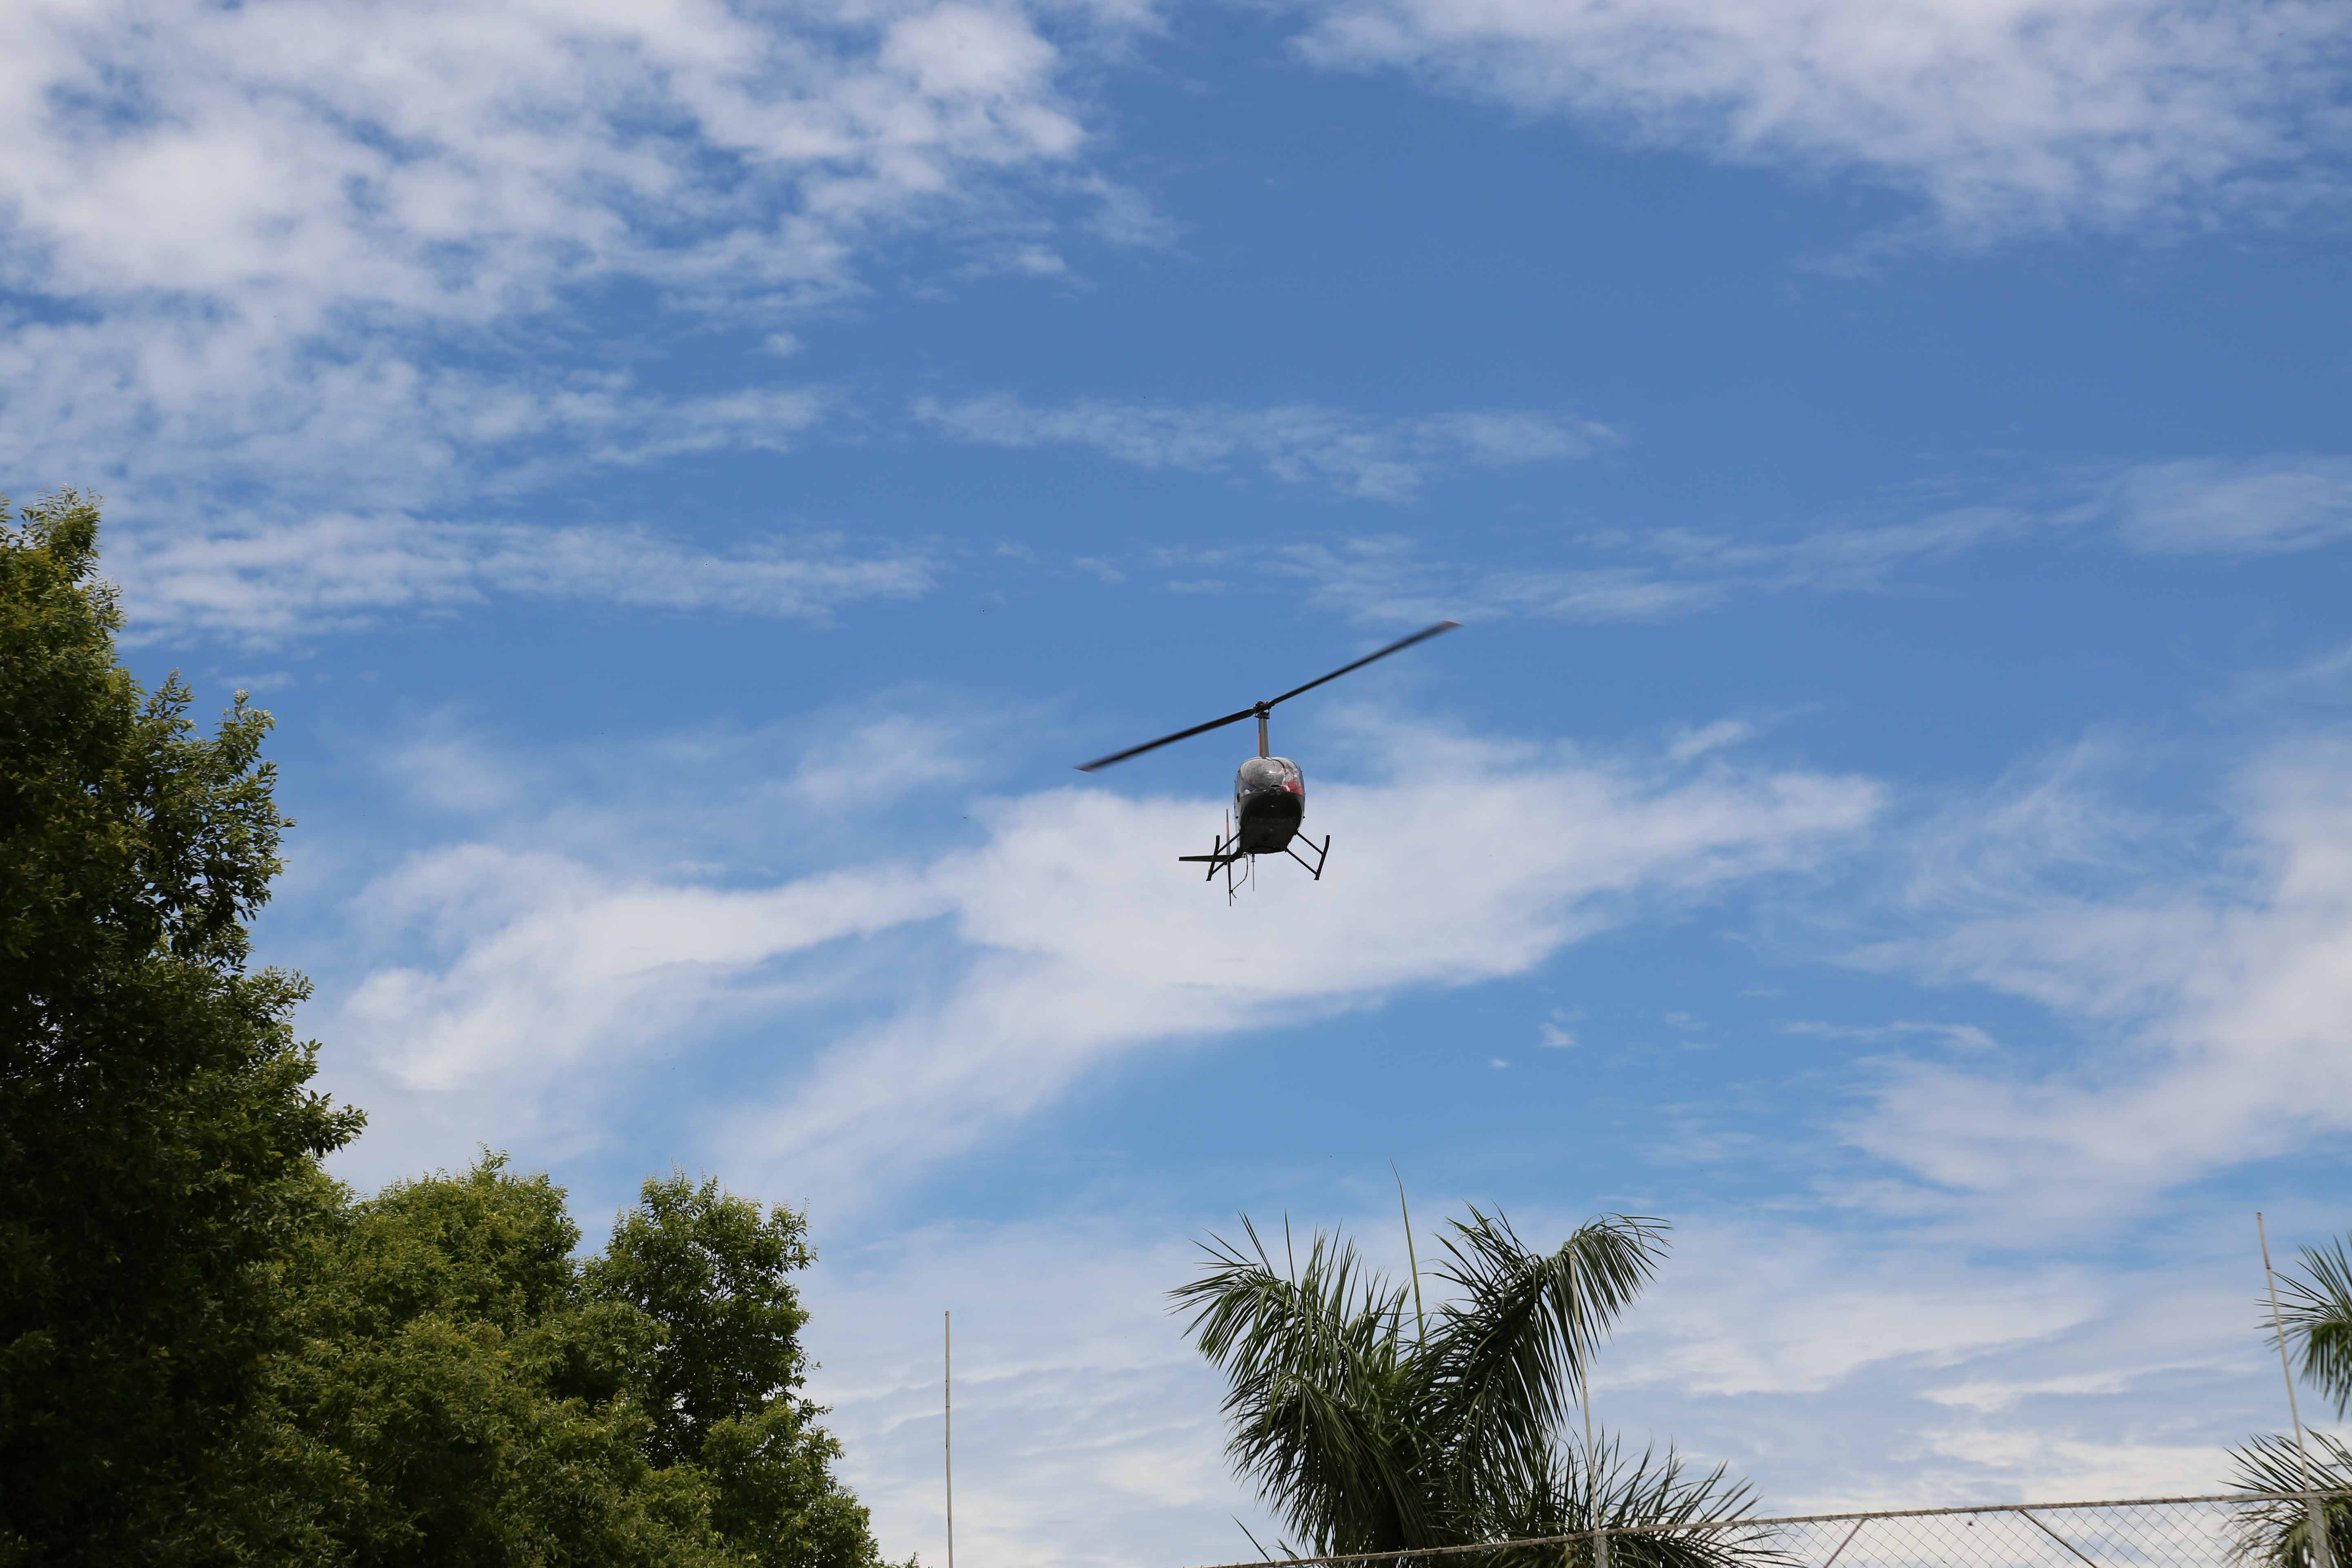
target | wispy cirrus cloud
x=2248, y=505
x=402, y=431
x=340, y=568
x=2026, y=114
x=2207, y=971
x=1008, y=971
x=1367, y=456
x=1606, y=576
x=267, y=582
x=1389, y=579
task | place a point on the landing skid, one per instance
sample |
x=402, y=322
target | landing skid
x=1227, y=853
x=1322, y=853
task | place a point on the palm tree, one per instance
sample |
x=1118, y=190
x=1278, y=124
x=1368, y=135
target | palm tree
x=1370, y=1426
x=2315, y=1312
x=2278, y=1531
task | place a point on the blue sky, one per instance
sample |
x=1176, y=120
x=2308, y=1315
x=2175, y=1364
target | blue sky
x=690, y=480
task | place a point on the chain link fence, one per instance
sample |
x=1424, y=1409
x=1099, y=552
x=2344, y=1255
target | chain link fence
x=2235, y=1530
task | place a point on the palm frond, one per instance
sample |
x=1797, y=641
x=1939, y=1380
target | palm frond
x=1505, y=1360
x=1365, y=1435
x=1654, y=1498
x=2317, y=1308
x=1316, y=1365
x=2279, y=1532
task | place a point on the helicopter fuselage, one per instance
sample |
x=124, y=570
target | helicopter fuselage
x=1269, y=792
x=1269, y=802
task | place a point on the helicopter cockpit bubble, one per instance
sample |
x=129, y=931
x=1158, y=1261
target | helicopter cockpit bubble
x=1269, y=802
x=1268, y=773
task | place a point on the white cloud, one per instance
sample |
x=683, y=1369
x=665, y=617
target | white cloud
x=1844, y=558
x=1373, y=582
x=2251, y=506
x=2006, y=1395
x=1813, y=1313
x=996, y=977
x=2016, y=113
x=189, y=412
x=295, y=159
x=1625, y=576
x=878, y=763
x=2212, y=998
x=1710, y=737
x=247, y=241
x=1886, y=1368
x=1086, y=1432
x=1371, y=458
x=270, y=583
x=1963, y=1036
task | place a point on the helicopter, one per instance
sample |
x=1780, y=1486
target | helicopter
x=1269, y=792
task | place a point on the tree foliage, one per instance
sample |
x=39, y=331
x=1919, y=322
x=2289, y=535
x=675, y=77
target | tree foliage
x=2278, y=1532
x=469, y=1393
x=1370, y=1428
x=213, y=1353
x=158, y=1143
x=711, y=1271
x=2315, y=1310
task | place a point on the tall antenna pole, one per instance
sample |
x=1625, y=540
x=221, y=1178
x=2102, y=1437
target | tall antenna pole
x=947, y=1396
x=2314, y=1517
x=1591, y=1470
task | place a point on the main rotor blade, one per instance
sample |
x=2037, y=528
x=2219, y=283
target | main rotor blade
x=1168, y=739
x=1422, y=636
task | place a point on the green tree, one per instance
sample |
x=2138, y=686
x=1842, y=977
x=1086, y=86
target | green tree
x=1370, y=1427
x=712, y=1272
x=469, y=1393
x=158, y=1143
x=457, y=1400
x=210, y=1351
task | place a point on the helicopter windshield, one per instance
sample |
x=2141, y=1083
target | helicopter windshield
x=1269, y=772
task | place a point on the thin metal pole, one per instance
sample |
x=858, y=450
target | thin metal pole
x=947, y=1395
x=1849, y=1541
x=2314, y=1517
x=2056, y=1537
x=1591, y=1472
